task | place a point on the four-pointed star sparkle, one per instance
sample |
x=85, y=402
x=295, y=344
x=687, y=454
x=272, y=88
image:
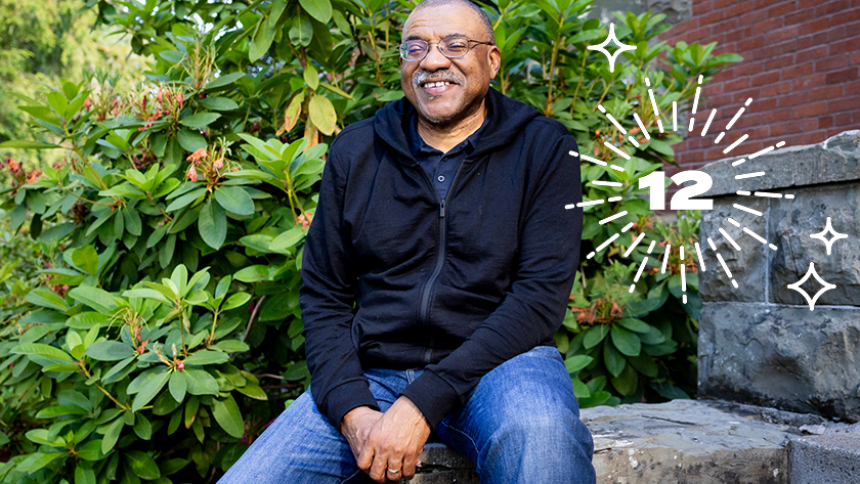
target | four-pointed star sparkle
x=612, y=57
x=829, y=242
x=811, y=273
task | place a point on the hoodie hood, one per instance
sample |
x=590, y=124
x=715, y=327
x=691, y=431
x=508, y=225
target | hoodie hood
x=506, y=115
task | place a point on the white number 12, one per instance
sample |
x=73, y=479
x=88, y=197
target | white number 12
x=681, y=200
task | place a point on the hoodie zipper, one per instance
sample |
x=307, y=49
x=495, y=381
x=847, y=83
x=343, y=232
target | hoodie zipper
x=424, y=307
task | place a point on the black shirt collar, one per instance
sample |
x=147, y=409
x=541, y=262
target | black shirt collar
x=418, y=145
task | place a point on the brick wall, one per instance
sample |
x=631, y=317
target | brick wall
x=801, y=67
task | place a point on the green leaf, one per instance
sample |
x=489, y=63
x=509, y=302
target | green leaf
x=142, y=427
x=212, y=224
x=635, y=325
x=577, y=362
x=225, y=80
x=318, y=9
x=142, y=464
x=627, y=381
x=200, y=382
x=40, y=436
x=207, y=357
x=288, y=239
x=109, y=351
x=91, y=451
x=231, y=345
x=84, y=474
x=613, y=360
x=184, y=200
x=266, y=32
x=311, y=77
x=178, y=386
x=112, y=435
x=98, y=299
x=595, y=335
x=87, y=259
x=219, y=103
x=252, y=274
x=149, y=391
x=669, y=391
x=190, y=140
x=322, y=114
x=625, y=341
x=47, y=298
x=60, y=411
x=644, y=364
x=235, y=301
x=39, y=349
x=200, y=120
x=235, y=199
x=28, y=145
x=228, y=416
x=115, y=373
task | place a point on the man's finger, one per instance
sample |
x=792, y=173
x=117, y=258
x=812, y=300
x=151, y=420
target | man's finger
x=377, y=469
x=365, y=459
x=409, y=464
x=395, y=468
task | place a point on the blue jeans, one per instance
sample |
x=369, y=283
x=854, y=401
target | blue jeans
x=520, y=424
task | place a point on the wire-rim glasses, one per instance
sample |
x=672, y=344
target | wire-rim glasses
x=451, y=47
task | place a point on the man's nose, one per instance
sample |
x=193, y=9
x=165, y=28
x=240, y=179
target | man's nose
x=434, y=59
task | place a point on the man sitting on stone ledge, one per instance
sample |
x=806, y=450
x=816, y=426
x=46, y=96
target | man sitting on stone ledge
x=443, y=219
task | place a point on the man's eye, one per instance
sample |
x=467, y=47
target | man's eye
x=456, y=45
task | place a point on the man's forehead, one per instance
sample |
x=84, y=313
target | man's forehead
x=441, y=21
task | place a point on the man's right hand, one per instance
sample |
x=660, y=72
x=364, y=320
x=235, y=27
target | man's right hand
x=356, y=425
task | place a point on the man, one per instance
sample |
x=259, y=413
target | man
x=443, y=219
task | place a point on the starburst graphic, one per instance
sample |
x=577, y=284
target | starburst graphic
x=811, y=273
x=829, y=242
x=611, y=57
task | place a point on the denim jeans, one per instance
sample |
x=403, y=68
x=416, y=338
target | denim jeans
x=520, y=424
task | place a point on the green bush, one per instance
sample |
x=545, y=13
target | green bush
x=173, y=233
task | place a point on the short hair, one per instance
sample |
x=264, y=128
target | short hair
x=485, y=20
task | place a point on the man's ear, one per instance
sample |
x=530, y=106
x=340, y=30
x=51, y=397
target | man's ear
x=495, y=59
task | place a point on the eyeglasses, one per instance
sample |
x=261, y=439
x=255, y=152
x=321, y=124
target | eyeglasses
x=451, y=47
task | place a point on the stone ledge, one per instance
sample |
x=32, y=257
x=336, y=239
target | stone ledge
x=837, y=159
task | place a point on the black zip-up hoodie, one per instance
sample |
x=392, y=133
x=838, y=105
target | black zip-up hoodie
x=456, y=286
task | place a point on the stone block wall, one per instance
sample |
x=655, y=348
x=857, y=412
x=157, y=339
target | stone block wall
x=760, y=343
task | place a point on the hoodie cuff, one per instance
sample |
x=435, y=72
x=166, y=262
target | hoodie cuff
x=343, y=398
x=433, y=396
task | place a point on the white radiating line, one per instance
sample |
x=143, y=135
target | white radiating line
x=766, y=150
x=735, y=144
x=641, y=126
x=666, y=258
x=768, y=195
x=789, y=197
x=628, y=227
x=633, y=140
x=617, y=168
x=772, y=247
x=696, y=99
x=638, y=275
x=720, y=137
x=747, y=210
x=743, y=193
x=736, y=163
x=601, y=183
x=726, y=268
x=734, y=222
x=635, y=243
x=589, y=203
x=587, y=158
x=755, y=235
x=681, y=252
x=612, y=119
x=569, y=206
x=730, y=239
x=735, y=118
x=613, y=217
x=660, y=125
x=674, y=115
x=603, y=246
x=708, y=124
x=692, y=121
x=750, y=175
x=616, y=150
x=615, y=199
x=651, y=247
x=701, y=259
x=712, y=244
x=684, y=282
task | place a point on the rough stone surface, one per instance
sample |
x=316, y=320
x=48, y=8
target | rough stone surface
x=686, y=442
x=443, y=465
x=836, y=159
x=760, y=343
x=782, y=356
x=825, y=459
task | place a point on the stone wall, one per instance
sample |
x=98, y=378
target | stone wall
x=760, y=343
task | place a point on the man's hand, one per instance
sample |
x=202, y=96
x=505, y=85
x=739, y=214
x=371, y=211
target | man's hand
x=356, y=425
x=394, y=443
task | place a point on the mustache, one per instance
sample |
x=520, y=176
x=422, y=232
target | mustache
x=445, y=75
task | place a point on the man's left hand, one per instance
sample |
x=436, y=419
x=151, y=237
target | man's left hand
x=395, y=442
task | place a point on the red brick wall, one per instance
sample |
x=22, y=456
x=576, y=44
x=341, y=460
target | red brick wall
x=801, y=67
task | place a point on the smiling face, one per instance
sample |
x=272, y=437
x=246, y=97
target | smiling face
x=445, y=90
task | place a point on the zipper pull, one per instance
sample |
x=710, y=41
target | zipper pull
x=442, y=209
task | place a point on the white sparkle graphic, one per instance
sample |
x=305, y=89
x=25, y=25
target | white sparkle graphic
x=611, y=57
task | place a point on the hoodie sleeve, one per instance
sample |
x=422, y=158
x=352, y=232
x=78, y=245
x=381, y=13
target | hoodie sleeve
x=326, y=298
x=533, y=308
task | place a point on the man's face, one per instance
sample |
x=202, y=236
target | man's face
x=469, y=76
